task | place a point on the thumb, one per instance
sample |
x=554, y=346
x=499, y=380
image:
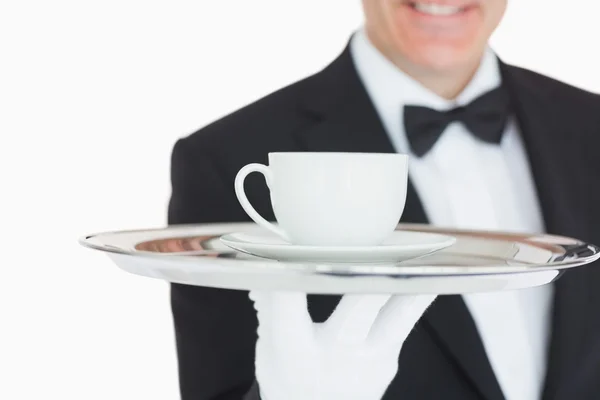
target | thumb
x=353, y=318
x=398, y=318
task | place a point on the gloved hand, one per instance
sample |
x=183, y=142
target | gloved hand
x=351, y=356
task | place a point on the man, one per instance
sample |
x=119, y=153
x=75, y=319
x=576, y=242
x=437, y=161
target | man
x=492, y=146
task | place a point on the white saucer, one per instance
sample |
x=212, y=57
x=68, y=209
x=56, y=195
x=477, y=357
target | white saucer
x=400, y=246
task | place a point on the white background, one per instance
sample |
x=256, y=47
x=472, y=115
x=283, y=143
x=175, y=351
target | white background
x=93, y=95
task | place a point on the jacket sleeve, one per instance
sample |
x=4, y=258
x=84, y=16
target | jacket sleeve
x=215, y=329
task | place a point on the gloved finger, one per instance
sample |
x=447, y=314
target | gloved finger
x=282, y=313
x=398, y=317
x=353, y=318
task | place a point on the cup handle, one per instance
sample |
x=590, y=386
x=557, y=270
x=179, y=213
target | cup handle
x=243, y=199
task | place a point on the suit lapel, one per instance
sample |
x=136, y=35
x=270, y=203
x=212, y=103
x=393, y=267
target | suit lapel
x=453, y=328
x=345, y=120
x=555, y=155
x=344, y=117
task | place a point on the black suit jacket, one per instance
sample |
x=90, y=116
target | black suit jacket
x=443, y=358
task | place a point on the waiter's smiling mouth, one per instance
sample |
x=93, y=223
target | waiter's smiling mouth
x=439, y=8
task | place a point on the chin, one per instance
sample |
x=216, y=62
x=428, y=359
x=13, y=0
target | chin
x=438, y=42
x=441, y=57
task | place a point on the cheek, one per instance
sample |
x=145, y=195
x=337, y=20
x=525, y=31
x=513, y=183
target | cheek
x=497, y=11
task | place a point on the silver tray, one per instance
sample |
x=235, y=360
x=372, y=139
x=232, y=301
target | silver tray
x=479, y=261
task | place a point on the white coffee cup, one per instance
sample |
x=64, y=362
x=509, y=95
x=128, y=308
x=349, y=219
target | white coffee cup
x=331, y=199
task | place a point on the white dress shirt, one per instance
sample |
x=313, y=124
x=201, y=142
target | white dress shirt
x=464, y=182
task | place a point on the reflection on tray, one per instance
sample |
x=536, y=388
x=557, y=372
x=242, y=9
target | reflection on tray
x=493, y=249
x=201, y=245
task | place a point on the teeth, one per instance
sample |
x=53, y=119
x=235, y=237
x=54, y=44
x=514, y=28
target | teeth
x=437, y=9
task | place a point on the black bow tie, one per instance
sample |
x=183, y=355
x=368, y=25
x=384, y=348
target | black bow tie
x=485, y=117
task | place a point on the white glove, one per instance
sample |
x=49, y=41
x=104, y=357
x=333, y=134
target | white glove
x=351, y=356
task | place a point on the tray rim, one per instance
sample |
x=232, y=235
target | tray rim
x=192, y=258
